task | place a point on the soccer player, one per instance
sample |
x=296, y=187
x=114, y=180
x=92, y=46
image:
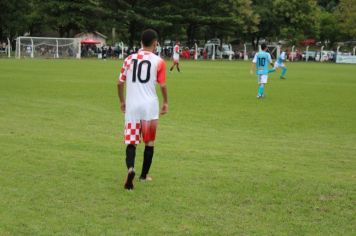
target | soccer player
x=260, y=64
x=280, y=63
x=176, y=56
x=141, y=72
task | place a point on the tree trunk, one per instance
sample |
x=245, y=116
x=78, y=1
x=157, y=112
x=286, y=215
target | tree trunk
x=191, y=34
x=132, y=31
x=61, y=32
x=67, y=32
x=253, y=43
x=132, y=27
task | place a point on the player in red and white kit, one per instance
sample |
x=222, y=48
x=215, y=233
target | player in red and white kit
x=176, y=56
x=141, y=72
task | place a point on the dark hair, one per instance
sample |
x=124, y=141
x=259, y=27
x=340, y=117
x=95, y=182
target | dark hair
x=263, y=46
x=148, y=36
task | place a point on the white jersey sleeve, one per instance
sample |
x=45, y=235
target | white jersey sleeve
x=255, y=58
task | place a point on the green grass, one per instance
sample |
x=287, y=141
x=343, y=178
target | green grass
x=225, y=163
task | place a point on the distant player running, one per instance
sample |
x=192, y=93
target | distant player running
x=280, y=63
x=141, y=72
x=176, y=57
x=260, y=64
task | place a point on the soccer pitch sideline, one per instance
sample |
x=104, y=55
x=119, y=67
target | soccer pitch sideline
x=225, y=162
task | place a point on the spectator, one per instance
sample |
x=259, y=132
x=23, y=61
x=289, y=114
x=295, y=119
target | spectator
x=28, y=50
x=104, y=52
x=205, y=54
x=3, y=47
x=110, y=52
x=236, y=54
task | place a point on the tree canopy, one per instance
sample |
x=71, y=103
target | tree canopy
x=187, y=20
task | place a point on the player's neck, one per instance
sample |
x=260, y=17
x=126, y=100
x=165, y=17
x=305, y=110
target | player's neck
x=148, y=49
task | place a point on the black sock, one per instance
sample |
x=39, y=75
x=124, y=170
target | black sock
x=171, y=68
x=130, y=156
x=178, y=68
x=147, y=160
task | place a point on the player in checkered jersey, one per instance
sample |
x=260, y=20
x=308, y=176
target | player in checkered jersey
x=176, y=56
x=141, y=72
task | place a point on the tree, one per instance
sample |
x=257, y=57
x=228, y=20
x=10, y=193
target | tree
x=297, y=19
x=328, y=5
x=268, y=21
x=132, y=16
x=184, y=20
x=346, y=16
x=209, y=18
x=13, y=18
x=329, y=30
x=234, y=18
x=71, y=16
x=287, y=19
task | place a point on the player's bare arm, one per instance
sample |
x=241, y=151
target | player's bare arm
x=120, y=91
x=164, y=92
x=253, y=68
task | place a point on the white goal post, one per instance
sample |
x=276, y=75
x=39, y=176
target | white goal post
x=43, y=47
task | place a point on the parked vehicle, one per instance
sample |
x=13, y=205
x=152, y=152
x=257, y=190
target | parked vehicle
x=324, y=56
x=227, y=51
x=192, y=51
x=221, y=50
x=310, y=55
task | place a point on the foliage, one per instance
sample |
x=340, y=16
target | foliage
x=186, y=20
x=68, y=16
x=13, y=17
x=346, y=15
x=329, y=29
x=328, y=5
x=296, y=19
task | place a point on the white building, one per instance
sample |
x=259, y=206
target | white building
x=96, y=36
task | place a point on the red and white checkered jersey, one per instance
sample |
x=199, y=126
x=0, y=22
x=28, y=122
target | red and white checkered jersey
x=141, y=72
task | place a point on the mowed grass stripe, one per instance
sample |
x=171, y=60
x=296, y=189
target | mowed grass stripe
x=225, y=163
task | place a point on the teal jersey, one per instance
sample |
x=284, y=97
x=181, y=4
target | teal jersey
x=262, y=59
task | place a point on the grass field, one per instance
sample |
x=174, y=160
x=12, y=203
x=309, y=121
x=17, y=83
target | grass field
x=225, y=163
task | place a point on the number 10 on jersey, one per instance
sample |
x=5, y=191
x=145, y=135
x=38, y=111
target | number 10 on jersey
x=137, y=71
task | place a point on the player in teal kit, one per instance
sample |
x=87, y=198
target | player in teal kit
x=260, y=64
x=280, y=63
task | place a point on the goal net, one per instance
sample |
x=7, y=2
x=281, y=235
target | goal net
x=41, y=47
